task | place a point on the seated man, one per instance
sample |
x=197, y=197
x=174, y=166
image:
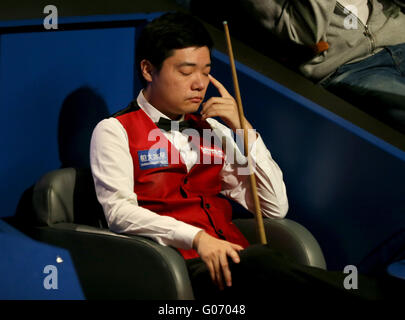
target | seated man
x=358, y=46
x=171, y=184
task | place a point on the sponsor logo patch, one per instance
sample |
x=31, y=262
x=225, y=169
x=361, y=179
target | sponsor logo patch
x=152, y=158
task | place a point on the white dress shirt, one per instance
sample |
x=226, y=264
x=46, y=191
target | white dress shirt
x=112, y=169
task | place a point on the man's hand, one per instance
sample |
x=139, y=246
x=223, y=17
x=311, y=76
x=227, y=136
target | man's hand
x=224, y=107
x=214, y=252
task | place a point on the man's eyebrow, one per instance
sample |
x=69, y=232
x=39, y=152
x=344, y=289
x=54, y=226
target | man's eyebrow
x=191, y=64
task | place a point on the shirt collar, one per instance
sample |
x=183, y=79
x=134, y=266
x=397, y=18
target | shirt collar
x=150, y=110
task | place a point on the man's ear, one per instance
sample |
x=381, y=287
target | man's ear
x=147, y=69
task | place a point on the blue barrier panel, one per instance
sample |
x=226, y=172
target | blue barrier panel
x=40, y=73
x=33, y=270
x=344, y=184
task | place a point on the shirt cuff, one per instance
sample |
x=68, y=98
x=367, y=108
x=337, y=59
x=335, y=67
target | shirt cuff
x=185, y=236
x=257, y=151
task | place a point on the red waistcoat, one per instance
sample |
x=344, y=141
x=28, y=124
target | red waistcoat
x=164, y=186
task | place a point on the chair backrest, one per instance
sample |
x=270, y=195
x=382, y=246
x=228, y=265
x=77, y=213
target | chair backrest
x=67, y=196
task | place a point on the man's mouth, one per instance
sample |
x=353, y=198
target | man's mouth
x=195, y=99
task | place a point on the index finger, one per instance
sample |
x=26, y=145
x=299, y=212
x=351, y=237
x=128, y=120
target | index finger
x=222, y=91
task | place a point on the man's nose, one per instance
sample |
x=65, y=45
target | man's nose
x=199, y=83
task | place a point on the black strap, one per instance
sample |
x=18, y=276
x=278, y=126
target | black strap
x=133, y=106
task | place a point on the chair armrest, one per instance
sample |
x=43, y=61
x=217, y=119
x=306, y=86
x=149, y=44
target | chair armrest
x=288, y=237
x=114, y=266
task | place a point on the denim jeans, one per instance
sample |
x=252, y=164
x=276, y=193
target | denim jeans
x=376, y=85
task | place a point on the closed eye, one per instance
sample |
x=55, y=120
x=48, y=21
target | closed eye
x=207, y=71
x=185, y=73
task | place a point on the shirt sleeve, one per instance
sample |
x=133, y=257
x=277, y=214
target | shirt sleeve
x=235, y=175
x=302, y=21
x=112, y=168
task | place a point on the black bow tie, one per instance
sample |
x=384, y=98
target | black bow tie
x=169, y=125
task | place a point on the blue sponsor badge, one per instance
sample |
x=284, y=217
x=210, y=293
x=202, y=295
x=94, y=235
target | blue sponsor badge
x=152, y=158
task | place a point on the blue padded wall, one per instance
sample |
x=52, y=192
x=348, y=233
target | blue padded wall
x=38, y=72
x=24, y=272
x=344, y=185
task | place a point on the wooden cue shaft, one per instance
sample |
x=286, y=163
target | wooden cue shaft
x=259, y=218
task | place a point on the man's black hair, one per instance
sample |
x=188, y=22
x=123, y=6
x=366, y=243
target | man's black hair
x=174, y=30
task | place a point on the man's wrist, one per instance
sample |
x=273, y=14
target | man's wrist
x=196, y=239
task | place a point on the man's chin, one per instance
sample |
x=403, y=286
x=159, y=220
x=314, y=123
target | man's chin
x=192, y=107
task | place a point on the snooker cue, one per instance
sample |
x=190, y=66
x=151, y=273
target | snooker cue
x=258, y=216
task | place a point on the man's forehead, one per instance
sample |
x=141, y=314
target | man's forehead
x=191, y=56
